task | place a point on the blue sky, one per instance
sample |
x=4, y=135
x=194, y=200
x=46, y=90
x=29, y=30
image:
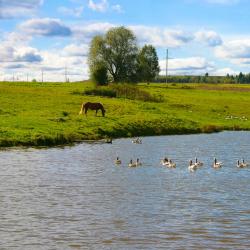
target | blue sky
x=201, y=35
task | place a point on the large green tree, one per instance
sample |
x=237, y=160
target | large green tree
x=148, y=65
x=117, y=52
x=97, y=64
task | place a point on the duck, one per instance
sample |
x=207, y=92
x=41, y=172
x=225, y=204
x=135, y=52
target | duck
x=137, y=141
x=241, y=164
x=192, y=167
x=217, y=164
x=171, y=164
x=138, y=163
x=118, y=161
x=132, y=164
x=198, y=163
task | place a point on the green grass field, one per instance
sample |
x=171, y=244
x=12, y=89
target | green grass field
x=45, y=114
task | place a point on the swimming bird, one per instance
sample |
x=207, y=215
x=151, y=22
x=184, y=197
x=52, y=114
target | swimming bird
x=137, y=141
x=217, y=164
x=118, y=161
x=165, y=161
x=138, y=163
x=132, y=164
x=241, y=164
x=171, y=164
x=192, y=167
x=198, y=163
x=244, y=163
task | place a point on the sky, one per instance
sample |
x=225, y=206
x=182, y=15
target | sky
x=53, y=37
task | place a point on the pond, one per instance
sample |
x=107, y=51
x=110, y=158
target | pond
x=77, y=198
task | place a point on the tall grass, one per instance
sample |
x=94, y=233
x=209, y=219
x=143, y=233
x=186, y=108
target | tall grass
x=126, y=91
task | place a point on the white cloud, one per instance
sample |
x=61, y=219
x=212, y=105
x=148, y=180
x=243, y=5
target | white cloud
x=117, y=8
x=101, y=6
x=222, y=1
x=190, y=65
x=45, y=27
x=209, y=37
x=236, y=51
x=224, y=72
x=75, y=50
x=85, y=32
x=161, y=37
x=76, y=12
x=17, y=8
x=9, y=53
x=104, y=6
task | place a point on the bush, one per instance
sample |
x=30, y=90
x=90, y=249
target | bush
x=101, y=92
x=124, y=91
x=100, y=75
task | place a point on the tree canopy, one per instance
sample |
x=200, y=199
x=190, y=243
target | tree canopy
x=148, y=65
x=117, y=56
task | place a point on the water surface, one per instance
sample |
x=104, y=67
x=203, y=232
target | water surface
x=76, y=198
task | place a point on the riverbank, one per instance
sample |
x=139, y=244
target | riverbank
x=47, y=114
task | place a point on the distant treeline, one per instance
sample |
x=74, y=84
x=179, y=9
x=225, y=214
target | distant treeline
x=241, y=78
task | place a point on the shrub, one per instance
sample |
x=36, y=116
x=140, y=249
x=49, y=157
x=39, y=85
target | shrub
x=124, y=91
x=100, y=75
x=101, y=92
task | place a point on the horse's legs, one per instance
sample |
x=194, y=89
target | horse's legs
x=86, y=110
x=96, y=112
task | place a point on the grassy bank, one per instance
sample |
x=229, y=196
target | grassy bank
x=36, y=114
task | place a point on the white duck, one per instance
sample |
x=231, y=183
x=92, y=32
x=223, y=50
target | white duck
x=217, y=164
x=192, y=167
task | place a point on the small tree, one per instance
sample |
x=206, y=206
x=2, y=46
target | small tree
x=148, y=66
x=99, y=75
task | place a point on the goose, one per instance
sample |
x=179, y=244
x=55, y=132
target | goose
x=244, y=163
x=217, y=164
x=137, y=141
x=192, y=167
x=118, y=161
x=198, y=163
x=138, y=163
x=165, y=161
x=132, y=164
x=241, y=164
x=171, y=164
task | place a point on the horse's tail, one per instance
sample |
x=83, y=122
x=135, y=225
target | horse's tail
x=82, y=108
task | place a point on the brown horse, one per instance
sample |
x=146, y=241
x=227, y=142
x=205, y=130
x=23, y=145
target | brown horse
x=93, y=106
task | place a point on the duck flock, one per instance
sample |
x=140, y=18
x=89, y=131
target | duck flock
x=167, y=162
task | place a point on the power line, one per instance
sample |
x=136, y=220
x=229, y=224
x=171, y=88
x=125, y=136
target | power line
x=167, y=66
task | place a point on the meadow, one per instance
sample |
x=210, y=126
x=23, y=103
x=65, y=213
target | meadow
x=47, y=114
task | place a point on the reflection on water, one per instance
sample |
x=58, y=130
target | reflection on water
x=77, y=198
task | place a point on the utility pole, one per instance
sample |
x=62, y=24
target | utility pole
x=66, y=74
x=27, y=77
x=167, y=66
x=42, y=75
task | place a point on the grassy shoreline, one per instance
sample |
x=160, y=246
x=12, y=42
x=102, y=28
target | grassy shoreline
x=46, y=114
